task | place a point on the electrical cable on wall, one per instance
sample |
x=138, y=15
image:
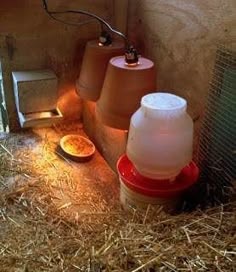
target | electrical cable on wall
x=131, y=56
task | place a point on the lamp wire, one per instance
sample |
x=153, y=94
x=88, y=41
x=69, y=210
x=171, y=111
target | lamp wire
x=94, y=16
x=131, y=55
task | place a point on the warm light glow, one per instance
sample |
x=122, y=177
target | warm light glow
x=124, y=85
x=93, y=70
x=116, y=130
x=132, y=64
x=77, y=147
x=72, y=187
x=68, y=98
x=44, y=114
x=101, y=44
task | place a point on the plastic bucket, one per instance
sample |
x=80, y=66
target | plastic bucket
x=131, y=199
x=160, y=136
x=138, y=191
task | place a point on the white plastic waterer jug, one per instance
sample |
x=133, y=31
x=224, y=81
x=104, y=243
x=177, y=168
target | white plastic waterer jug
x=160, y=136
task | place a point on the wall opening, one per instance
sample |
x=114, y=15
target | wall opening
x=3, y=112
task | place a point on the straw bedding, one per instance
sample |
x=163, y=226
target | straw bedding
x=56, y=215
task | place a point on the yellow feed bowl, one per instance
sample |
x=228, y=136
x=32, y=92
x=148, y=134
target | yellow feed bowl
x=77, y=147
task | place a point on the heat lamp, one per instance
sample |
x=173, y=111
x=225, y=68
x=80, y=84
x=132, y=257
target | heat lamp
x=157, y=166
x=124, y=85
x=94, y=65
x=112, y=73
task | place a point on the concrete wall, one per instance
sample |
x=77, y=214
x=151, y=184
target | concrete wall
x=29, y=39
x=110, y=142
x=180, y=36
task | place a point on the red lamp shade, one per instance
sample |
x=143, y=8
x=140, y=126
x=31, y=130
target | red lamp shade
x=94, y=67
x=123, y=88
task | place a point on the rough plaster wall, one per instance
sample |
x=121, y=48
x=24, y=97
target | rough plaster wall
x=110, y=142
x=180, y=36
x=29, y=39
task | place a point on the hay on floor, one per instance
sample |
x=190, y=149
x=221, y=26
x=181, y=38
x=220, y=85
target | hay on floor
x=56, y=215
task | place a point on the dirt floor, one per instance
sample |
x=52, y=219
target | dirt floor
x=59, y=215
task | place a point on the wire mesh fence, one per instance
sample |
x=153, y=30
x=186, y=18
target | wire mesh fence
x=217, y=147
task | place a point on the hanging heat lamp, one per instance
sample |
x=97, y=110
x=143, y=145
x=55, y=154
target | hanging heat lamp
x=127, y=80
x=119, y=80
x=94, y=65
x=97, y=54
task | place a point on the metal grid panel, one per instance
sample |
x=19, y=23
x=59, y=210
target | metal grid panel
x=217, y=148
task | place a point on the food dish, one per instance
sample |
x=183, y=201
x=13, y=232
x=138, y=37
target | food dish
x=77, y=147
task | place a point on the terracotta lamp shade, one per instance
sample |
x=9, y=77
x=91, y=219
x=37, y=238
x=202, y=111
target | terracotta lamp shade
x=123, y=88
x=94, y=67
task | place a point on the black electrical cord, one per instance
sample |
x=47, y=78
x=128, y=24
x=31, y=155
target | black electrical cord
x=131, y=55
x=102, y=21
x=50, y=14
